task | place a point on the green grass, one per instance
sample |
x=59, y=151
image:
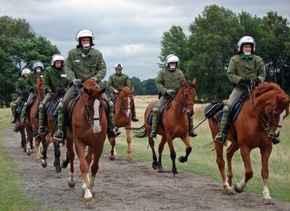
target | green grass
x=11, y=195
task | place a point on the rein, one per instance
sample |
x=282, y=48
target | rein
x=182, y=104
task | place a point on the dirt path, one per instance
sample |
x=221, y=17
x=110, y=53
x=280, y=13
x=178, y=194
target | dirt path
x=123, y=185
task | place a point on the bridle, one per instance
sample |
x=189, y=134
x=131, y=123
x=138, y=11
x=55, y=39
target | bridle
x=183, y=105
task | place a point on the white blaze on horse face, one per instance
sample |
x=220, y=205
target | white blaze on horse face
x=96, y=125
x=129, y=108
x=280, y=123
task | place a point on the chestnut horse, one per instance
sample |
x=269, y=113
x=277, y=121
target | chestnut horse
x=50, y=128
x=122, y=118
x=260, y=117
x=172, y=124
x=88, y=128
x=31, y=121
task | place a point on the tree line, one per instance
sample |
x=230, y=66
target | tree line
x=204, y=53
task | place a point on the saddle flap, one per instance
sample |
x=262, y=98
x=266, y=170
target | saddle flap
x=215, y=106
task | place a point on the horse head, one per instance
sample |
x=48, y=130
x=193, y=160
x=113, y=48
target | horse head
x=185, y=96
x=60, y=90
x=91, y=91
x=126, y=99
x=276, y=105
x=40, y=91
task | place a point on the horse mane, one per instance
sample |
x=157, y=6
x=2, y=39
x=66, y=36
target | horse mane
x=265, y=87
x=39, y=83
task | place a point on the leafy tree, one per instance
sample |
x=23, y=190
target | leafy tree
x=150, y=87
x=136, y=82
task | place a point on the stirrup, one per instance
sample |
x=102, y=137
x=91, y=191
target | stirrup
x=220, y=137
x=58, y=135
x=153, y=134
x=41, y=130
x=192, y=133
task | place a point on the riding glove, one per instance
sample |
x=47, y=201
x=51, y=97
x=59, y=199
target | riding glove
x=245, y=81
x=170, y=92
x=76, y=81
x=257, y=81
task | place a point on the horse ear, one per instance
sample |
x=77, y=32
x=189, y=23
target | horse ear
x=133, y=88
x=194, y=81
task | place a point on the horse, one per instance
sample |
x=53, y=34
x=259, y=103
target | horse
x=87, y=128
x=50, y=128
x=122, y=118
x=173, y=123
x=31, y=121
x=260, y=119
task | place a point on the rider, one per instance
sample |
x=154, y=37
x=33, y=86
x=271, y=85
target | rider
x=244, y=68
x=168, y=79
x=54, y=77
x=20, y=89
x=84, y=62
x=115, y=84
x=31, y=81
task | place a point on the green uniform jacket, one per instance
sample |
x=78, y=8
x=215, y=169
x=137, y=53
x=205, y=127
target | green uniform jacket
x=32, y=80
x=53, y=78
x=168, y=80
x=118, y=81
x=251, y=68
x=77, y=67
x=20, y=84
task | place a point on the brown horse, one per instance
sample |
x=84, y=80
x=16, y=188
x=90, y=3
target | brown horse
x=260, y=117
x=50, y=128
x=31, y=121
x=88, y=129
x=122, y=118
x=172, y=124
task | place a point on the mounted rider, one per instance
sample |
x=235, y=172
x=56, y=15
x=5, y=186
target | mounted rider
x=82, y=63
x=116, y=82
x=244, y=68
x=37, y=71
x=168, y=79
x=54, y=77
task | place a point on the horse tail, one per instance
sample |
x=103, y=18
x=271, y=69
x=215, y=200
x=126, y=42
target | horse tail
x=140, y=131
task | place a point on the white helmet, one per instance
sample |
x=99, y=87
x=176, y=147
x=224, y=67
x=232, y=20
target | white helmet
x=246, y=40
x=25, y=71
x=85, y=33
x=37, y=64
x=56, y=57
x=119, y=66
x=171, y=58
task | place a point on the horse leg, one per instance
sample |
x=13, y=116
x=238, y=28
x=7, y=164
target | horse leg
x=172, y=155
x=112, y=141
x=154, y=157
x=23, y=138
x=84, y=168
x=37, y=148
x=44, y=151
x=65, y=162
x=28, y=139
x=160, y=150
x=245, y=153
x=186, y=141
x=128, y=135
x=57, y=159
x=70, y=155
x=265, y=153
x=230, y=153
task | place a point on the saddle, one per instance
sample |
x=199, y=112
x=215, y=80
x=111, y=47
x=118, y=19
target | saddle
x=165, y=107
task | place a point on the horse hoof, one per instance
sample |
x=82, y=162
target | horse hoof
x=237, y=189
x=64, y=164
x=268, y=201
x=154, y=165
x=43, y=163
x=88, y=201
x=71, y=184
x=112, y=158
x=182, y=159
x=28, y=152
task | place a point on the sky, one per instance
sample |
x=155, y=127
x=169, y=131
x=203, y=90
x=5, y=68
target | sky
x=126, y=31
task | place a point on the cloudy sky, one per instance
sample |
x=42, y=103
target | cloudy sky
x=126, y=31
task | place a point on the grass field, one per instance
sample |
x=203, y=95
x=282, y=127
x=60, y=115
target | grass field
x=201, y=159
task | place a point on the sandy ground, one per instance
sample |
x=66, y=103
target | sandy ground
x=127, y=185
